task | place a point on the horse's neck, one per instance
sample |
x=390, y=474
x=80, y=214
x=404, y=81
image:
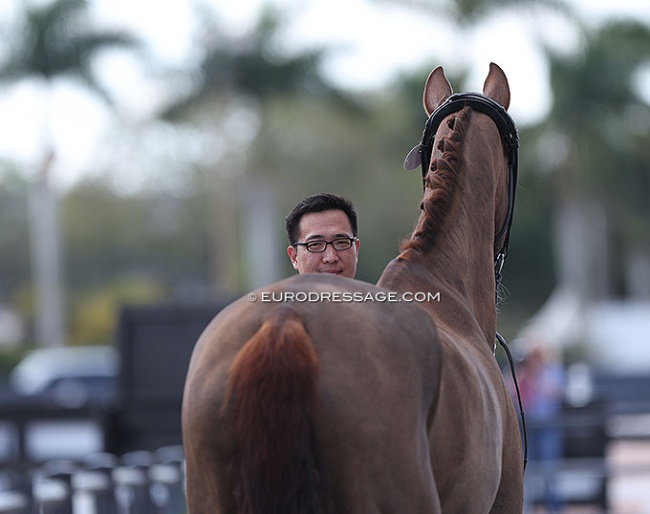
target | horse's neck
x=464, y=280
x=458, y=261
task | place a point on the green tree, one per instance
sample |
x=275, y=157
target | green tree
x=252, y=66
x=150, y=234
x=469, y=13
x=53, y=40
x=14, y=242
x=247, y=75
x=56, y=39
x=594, y=129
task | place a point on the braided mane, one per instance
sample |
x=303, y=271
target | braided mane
x=440, y=184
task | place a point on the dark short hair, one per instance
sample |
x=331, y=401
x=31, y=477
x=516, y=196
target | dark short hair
x=318, y=203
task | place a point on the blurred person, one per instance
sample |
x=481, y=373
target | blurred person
x=541, y=383
x=322, y=232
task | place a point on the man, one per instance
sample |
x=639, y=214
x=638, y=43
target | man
x=322, y=232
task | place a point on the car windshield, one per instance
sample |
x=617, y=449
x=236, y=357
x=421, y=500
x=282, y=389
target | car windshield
x=43, y=367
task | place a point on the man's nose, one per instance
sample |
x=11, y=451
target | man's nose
x=330, y=254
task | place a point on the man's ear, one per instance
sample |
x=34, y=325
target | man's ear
x=293, y=256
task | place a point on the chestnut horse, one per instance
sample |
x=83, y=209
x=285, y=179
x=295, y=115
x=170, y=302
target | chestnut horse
x=320, y=394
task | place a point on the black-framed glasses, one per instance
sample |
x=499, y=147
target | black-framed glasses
x=319, y=245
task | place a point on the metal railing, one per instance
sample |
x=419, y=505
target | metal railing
x=139, y=482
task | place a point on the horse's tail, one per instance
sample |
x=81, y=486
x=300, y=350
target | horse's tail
x=272, y=395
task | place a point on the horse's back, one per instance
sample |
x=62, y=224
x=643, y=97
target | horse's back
x=379, y=369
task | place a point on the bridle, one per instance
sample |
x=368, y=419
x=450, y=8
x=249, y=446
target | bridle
x=421, y=154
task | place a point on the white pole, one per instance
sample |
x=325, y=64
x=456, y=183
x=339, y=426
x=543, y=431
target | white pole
x=46, y=259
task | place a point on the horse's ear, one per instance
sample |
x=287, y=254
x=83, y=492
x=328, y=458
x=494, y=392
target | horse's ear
x=436, y=90
x=496, y=86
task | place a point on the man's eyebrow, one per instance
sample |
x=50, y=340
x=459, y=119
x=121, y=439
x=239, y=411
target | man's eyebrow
x=336, y=236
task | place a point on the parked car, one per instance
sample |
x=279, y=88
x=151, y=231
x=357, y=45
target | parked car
x=71, y=376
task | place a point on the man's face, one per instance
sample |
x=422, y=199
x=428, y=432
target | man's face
x=326, y=225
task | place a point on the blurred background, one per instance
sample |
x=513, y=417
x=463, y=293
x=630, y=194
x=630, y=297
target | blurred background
x=149, y=152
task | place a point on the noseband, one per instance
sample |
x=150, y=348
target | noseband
x=421, y=154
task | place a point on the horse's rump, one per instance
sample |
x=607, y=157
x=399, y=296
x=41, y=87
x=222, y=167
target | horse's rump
x=290, y=403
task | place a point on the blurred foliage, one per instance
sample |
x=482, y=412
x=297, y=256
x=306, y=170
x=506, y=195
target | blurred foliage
x=157, y=235
x=14, y=240
x=467, y=13
x=597, y=124
x=253, y=66
x=94, y=313
x=9, y=358
x=598, y=108
x=55, y=39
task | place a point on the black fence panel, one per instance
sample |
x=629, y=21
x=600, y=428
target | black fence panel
x=155, y=345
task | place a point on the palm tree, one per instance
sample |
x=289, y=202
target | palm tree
x=470, y=13
x=238, y=74
x=592, y=123
x=51, y=41
x=56, y=39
